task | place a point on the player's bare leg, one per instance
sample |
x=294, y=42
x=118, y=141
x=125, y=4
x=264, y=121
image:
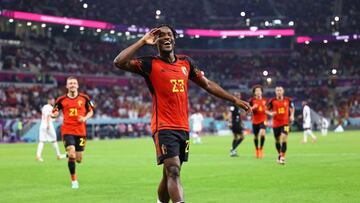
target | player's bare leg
x=71, y=164
x=163, y=194
x=79, y=156
x=57, y=150
x=175, y=190
x=262, y=133
x=283, y=140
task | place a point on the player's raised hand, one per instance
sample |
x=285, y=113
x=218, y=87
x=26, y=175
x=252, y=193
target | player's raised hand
x=244, y=105
x=150, y=37
x=54, y=114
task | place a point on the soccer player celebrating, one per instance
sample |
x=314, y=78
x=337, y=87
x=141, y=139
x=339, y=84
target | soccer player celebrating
x=47, y=131
x=282, y=109
x=167, y=77
x=307, y=123
x=236, y=126
x=259, y=119
x=77, y=108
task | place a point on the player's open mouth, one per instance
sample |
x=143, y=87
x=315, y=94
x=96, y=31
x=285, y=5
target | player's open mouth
x=167, y=43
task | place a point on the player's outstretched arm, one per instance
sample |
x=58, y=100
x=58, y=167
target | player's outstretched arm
x=214, y=89
x=124, y=59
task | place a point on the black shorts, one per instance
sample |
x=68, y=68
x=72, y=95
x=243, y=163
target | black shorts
x=257, y=127
x=77, y=141
x=171, y=143
x=282, y=129
x=237, y=129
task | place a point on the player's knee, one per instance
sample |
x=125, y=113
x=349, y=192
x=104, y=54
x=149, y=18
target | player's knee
x=71, y=154
x=173, y=172
x=78, y=160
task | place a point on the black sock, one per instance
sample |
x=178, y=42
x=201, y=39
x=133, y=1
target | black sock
x=233, y=144
x=262, y=141
x=71, y=165
x=283, y=147
x=256, y=142
x=278, y=146
x=238, y=142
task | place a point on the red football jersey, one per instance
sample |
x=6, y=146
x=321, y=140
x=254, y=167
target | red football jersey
x=168, y=84
x=259, y=114
x=282, y=110
x=72, y=108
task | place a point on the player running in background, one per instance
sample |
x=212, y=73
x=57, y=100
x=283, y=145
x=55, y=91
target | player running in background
x=259, y=119
x=282, y=110
x=47, y=131
x=236, y=126
x=77, y=108
x=167, y=77
x=197, y=123
x=307, y=122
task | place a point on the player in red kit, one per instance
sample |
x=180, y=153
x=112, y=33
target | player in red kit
x=76, y=108
x=282, y=109
x=259, y=119
x=167, y=77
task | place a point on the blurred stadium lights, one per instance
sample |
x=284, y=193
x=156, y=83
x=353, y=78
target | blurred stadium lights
x=346, y=40
x=332, y=23
x=291, y=23
x=28, y=23
x=85, y=5
x=242, y=13
x=181, y=35
x=157, y=17
x=253, y=28
x=11, y=20
x=112, y=32
x=261, y=36
x=265, y=73
x=224, y=37
x=158, y=12
x=241, y=37
x=267, y=23
x=67, y=26
x=278, y=36
x=43, y=25
x=334, y=71
x=81, y=28
x=268, y=80
x=127, y=33
x=336, y=18
x=98, y=30
x=325, y=41
x=307, y=42
x=197, y=36
x=277, y=22
x=119, y=34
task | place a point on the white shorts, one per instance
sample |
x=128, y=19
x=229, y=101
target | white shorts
x=197, y=128
x=47, y=135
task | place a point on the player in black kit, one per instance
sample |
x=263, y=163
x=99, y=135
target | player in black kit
x=236, y=126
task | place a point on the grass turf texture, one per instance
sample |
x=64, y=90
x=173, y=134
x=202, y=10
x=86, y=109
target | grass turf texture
x=125, y=171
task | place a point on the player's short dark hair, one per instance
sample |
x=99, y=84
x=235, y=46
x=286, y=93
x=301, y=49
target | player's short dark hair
x=71, y=78
x=171, y=28
x=257, y=86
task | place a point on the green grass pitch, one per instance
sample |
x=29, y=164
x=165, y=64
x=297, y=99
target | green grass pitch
x=125, y=171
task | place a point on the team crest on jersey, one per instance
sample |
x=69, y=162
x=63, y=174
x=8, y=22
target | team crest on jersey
x=79, y=103
x=183, y=68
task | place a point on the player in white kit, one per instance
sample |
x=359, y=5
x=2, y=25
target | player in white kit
x=197, y=123
x=47, y=131
x=307, y=123
x=324, y=126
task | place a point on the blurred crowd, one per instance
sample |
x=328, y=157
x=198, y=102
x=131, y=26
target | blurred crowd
x=309, y=17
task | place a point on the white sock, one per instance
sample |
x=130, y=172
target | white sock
x=39, y=149
x=312, y=134
x=305, y=136
x=56, y=147
x=198, y=139
x=158, y=201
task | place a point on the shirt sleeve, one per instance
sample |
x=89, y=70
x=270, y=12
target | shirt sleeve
x=142, y=65
x=195, y=71
x=89, y=104
x=57, y=106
